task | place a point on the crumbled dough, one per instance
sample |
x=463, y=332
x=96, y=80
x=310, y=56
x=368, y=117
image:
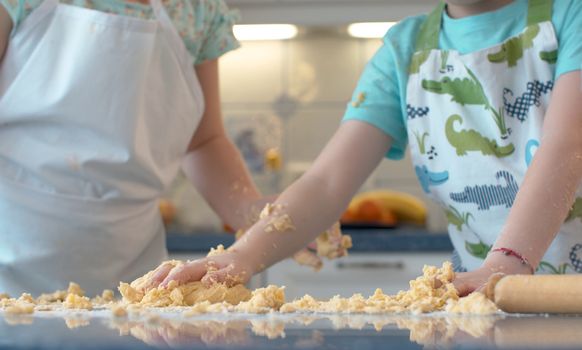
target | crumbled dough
x=60, y=295
x=263, y=300
x=433, y=291
x=279, y=223
x=306, y=258
x=107, y=296
x=27, y=298
x=180, y=295
x=216, y=251
x=332, y=244
x=422, y=297
x=4, y=296
x=359, y=100
x=75, y=301
x=269, y=209
x=75, y=289
x=475, y=303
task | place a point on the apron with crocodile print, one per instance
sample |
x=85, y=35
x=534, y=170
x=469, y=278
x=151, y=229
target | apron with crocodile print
x=474, y=122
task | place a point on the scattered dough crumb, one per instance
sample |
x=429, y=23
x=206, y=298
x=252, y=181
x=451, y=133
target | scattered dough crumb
x=75, y=289
x=27, y=298
x=216, y=251
x=4, y=296
x=75, y=301
x=422, y=297
x=475, y=303
x=359, y=100
x=306, y=258
x=263, y=300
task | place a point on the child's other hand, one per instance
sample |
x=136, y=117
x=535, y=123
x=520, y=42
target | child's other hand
x=229, y=268
x=469, y=282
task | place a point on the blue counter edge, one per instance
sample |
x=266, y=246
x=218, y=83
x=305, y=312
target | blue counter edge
x=376, y=240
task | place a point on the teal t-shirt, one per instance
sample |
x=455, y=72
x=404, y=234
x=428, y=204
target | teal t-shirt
x=380, y=96
x=204, y=25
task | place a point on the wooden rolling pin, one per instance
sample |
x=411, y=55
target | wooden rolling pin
x=560, y=294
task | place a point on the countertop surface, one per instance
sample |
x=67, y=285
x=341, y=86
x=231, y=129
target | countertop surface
x=97, y=330
x=404, y=239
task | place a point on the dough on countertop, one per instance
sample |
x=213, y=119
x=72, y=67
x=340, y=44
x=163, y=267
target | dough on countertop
x=423, y=297
x=431, y=292
x=75, y=301
x=180, y=295
x=475, y=303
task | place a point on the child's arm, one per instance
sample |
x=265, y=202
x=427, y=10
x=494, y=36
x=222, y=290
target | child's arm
x=312, y=203
x=214, y=165
x=5, y=28
x=547, y=192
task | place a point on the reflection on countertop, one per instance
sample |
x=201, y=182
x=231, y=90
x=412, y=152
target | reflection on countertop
x=401, y=239
x=170, y=329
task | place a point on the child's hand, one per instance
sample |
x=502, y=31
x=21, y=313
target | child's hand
x=229, y=268
x=476, y=281
x=331, y=244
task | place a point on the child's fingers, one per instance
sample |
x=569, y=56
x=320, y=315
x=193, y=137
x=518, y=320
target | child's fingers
x=189, y=272
x=160, y=274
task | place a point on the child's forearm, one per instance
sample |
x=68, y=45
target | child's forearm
x=308, y=208
x=543, y=201
x=225, y=182
x=5, y=28
x=317, y=200
x=547, y=192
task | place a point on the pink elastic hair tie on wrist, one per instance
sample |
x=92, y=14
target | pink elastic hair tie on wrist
x=511, y=252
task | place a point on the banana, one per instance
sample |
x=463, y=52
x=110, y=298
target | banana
x=407, y=207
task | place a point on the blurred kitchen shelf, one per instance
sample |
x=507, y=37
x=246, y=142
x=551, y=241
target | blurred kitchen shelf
x=405, y=239
x=327, y=12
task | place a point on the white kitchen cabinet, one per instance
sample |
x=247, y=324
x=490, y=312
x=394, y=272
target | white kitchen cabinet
x=356, y=273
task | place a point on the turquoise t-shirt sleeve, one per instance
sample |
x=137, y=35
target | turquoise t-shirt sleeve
x=19, y=9
x=569, y=38
x=377, y=101
x=217, y=22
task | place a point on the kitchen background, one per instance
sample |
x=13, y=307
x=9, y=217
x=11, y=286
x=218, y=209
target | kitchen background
x=288, y=96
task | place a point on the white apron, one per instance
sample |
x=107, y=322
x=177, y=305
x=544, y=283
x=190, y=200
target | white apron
x=96, y=113
x=474, y=122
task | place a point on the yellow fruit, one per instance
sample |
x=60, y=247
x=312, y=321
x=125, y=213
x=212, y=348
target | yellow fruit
x=406, y=207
